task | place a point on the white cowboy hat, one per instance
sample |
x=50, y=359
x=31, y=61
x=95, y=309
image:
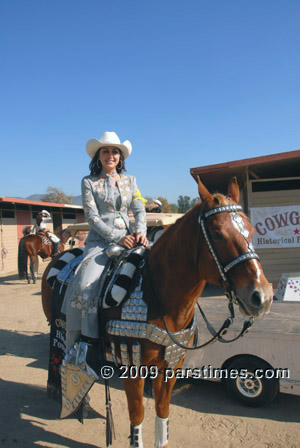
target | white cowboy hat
x=108, y=139
x=45, y=212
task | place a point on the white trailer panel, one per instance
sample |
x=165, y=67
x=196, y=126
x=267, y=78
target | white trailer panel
x=274, y=339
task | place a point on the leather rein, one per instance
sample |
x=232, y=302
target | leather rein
x=223, y=270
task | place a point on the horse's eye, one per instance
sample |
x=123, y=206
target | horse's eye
x=217, y=236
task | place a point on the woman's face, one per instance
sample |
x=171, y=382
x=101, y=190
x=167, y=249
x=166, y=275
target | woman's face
x=109, y=157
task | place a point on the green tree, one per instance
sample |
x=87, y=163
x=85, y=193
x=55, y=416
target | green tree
x=194, y=202
x=183, y=203
x=56, y=195
x=174, y=208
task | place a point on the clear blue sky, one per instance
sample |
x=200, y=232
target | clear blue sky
x=189, y=83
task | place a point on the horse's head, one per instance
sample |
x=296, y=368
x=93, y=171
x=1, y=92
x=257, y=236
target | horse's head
x=228, y=234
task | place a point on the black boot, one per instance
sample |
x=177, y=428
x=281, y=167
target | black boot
x=54, y=248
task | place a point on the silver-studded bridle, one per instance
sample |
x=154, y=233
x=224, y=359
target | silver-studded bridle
x=250, y=254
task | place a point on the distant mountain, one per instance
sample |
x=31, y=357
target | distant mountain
x=35, y=197
x=77, y=200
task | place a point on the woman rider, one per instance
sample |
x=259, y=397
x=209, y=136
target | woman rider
x=107, y=195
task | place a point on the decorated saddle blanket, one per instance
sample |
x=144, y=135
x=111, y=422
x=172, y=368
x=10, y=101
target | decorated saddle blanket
x=45, y=240
x=117, y=278
x=64, y=268
x=57, y=342
x=120, y=279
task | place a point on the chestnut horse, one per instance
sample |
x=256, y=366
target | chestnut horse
x=211, y=242
x=33, y=245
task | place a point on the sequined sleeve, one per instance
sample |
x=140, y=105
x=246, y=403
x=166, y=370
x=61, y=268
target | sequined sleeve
x=138, y=208
x=92, y=215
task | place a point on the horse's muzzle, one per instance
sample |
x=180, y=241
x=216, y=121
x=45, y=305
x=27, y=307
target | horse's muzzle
x=256, y=303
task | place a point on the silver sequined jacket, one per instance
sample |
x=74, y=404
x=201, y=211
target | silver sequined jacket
x=102, y=216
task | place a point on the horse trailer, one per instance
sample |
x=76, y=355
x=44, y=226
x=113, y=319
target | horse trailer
x=258, y=365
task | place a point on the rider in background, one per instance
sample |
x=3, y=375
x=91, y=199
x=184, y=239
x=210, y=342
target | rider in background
x=40, y=227
x=154, y=206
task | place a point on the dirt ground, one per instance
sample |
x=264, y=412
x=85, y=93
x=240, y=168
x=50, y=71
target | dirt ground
x=202, y=414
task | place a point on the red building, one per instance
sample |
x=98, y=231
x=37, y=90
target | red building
x=16, y=213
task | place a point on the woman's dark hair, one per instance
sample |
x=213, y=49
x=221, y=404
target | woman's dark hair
x=96, y=166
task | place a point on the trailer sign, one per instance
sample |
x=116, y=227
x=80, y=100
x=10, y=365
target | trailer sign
x=276, y=227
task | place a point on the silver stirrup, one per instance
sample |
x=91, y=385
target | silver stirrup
x=77, y=377
x=114, y=250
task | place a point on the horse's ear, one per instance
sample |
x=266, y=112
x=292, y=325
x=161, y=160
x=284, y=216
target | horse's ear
x=234, y=190
x=206, y=197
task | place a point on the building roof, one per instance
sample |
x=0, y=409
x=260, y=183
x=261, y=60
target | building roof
x=285, y=164
x=40, y=203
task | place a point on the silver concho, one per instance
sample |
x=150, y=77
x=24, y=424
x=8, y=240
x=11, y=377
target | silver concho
x=133, y=324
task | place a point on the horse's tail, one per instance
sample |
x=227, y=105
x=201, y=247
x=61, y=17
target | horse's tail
x=22, y=259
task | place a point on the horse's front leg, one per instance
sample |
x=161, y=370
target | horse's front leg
x=134, y=388
x=162, y=393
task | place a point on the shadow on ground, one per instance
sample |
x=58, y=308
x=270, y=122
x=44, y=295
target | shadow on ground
x=26, y=345
x=14, y=279
x=20, y=421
